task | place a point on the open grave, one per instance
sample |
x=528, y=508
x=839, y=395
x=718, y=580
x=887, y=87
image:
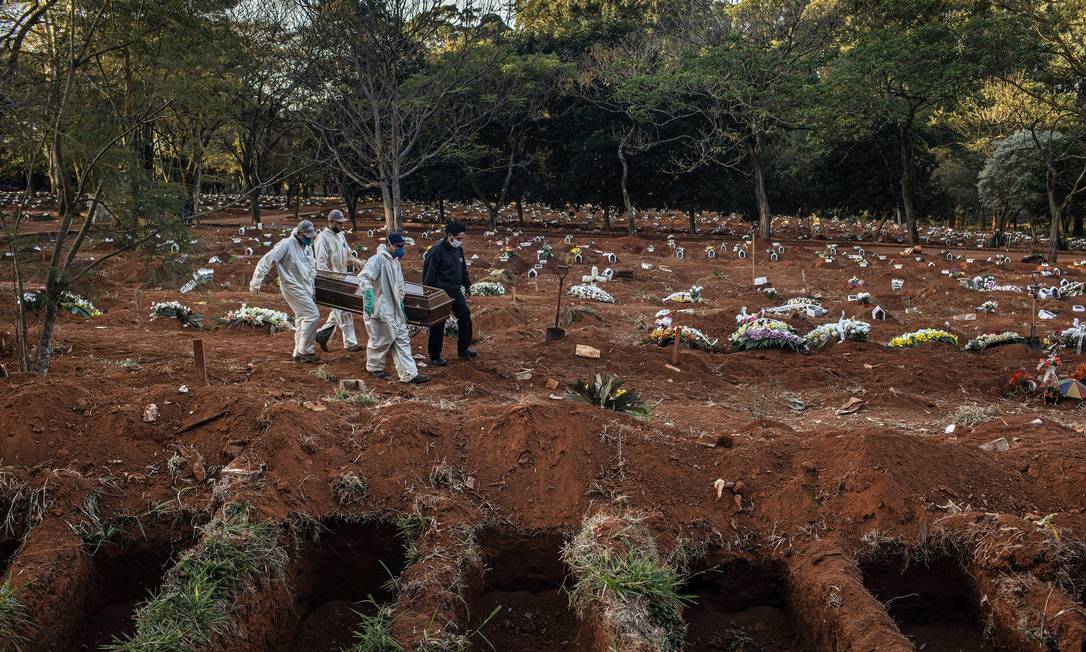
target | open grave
x=739, y=605
x=122, y=574
x=933, y=602
x=336, y=575
x=521, y=604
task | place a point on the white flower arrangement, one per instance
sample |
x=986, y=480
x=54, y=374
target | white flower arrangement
x=693, y=295
x=993, y=339
x=864, y=297
x=178, y=311
x=770, y=292
x=765, y=333
x=452, y=327
x=988, y=306
x=590, y=292
x=845, y=329
x=69, y=301
x=273, y=320
x=486, y=289
x=692, y=337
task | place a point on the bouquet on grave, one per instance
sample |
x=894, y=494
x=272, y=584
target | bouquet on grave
x=273, y=320
x=69, y=302
x=486, y=289
x=606, y=391
x=923, y=336
x=983, y=283
x=988, y=307
x=590, y=292
x=844, y=329
x=575, y=251
x=178, y=311
x=693, y=295
x=545, y=252
x=765, y=333
x=692, y=337
x=1068, y=338
x=990, y=340
x=452, y=327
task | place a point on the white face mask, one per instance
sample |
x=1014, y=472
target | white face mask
x=455, y=243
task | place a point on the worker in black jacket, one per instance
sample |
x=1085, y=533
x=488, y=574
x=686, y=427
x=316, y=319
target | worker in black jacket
x=444, y=267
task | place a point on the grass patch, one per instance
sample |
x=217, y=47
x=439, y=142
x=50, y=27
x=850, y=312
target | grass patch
x=13, y=619
x=365, y=398
x=374, y=632
x=322, y=373
x=619, y=571
x=973, y=414
x=349, y=488
x=606, y=391
x=198, y=593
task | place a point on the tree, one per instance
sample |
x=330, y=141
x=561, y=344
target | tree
x=391, y=80
x=905, y=61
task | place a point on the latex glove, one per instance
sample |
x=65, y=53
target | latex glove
x=254, y=289
x=368, y=301
x=403, y=310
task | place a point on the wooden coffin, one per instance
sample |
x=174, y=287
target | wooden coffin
x=425, y=305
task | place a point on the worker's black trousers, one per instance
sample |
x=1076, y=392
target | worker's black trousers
x=463, y=323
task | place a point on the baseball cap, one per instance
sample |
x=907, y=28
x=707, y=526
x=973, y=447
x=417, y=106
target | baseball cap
x=305, y=227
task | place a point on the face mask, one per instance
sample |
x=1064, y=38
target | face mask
x=455, y=242
x=306, y=241
x=397, y=252
x=335, y=228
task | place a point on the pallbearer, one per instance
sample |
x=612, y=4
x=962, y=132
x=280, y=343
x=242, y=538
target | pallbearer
x=385, y=317
x=293, y=259
x=333, y=255
x=444, y=267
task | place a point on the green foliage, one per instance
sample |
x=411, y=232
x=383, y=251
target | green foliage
x=196, y=598
x=13, y=619
x=373, y=632
x=605, y=391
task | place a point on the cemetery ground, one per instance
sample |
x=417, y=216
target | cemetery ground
x=272, y=509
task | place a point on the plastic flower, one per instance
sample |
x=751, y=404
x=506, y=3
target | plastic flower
x=591, y=292
x=993, y=339
x=923, y=336
x=486, y=289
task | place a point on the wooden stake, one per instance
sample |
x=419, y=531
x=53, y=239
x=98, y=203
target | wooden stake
x=753, y=239
x=139, y=308
x=514, y=288
x=201, y=363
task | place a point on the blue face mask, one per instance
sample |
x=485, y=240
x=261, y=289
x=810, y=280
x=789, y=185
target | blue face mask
x=306, y=241
x=397, y=252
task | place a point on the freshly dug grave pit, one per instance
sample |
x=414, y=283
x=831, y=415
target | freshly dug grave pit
x=336, y=574
x=121, y=575
x=739, y=605
x=8, y=548
x=933, y=602
x=521, y=605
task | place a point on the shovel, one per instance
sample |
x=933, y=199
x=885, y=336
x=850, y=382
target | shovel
x=554, y=334
x=1033, y=343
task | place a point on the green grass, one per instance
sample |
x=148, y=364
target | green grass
x=373, y=633
x=626, y=577
x=322, y=373
x=363, y=398
x=198, y=593
x=13, y=619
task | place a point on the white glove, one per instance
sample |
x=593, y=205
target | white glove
x=254, y=289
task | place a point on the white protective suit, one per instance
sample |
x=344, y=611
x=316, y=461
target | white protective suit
x=297, y=281
x=333, y=254
x=387, y=327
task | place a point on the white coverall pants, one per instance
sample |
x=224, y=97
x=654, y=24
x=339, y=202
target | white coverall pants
x=345, y=321
x=385, y=337
x=306, y=320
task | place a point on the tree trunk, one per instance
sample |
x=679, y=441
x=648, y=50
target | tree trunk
x=693, y=220
x=765, y=221
x=441, y=209
x=631, y=214
x=49, y=320
x=492, y=211
x=397, y=206
x=254, y=204
x=906, y=182
x=1077, y=232
x=606, y=218
x=520, y=210
x=386, y=203
x=352, y=208
x=882, y=223
x=1053, y=212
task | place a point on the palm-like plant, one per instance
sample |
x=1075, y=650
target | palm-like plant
x=605, y=391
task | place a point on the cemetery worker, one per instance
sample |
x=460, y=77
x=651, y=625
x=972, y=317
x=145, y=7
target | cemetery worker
x=293, y=259
x=333, y=255
x=385, y=317
x=444, y=267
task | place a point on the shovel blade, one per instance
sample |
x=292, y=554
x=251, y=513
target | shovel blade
x=1033, y=344
x=554, y=334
